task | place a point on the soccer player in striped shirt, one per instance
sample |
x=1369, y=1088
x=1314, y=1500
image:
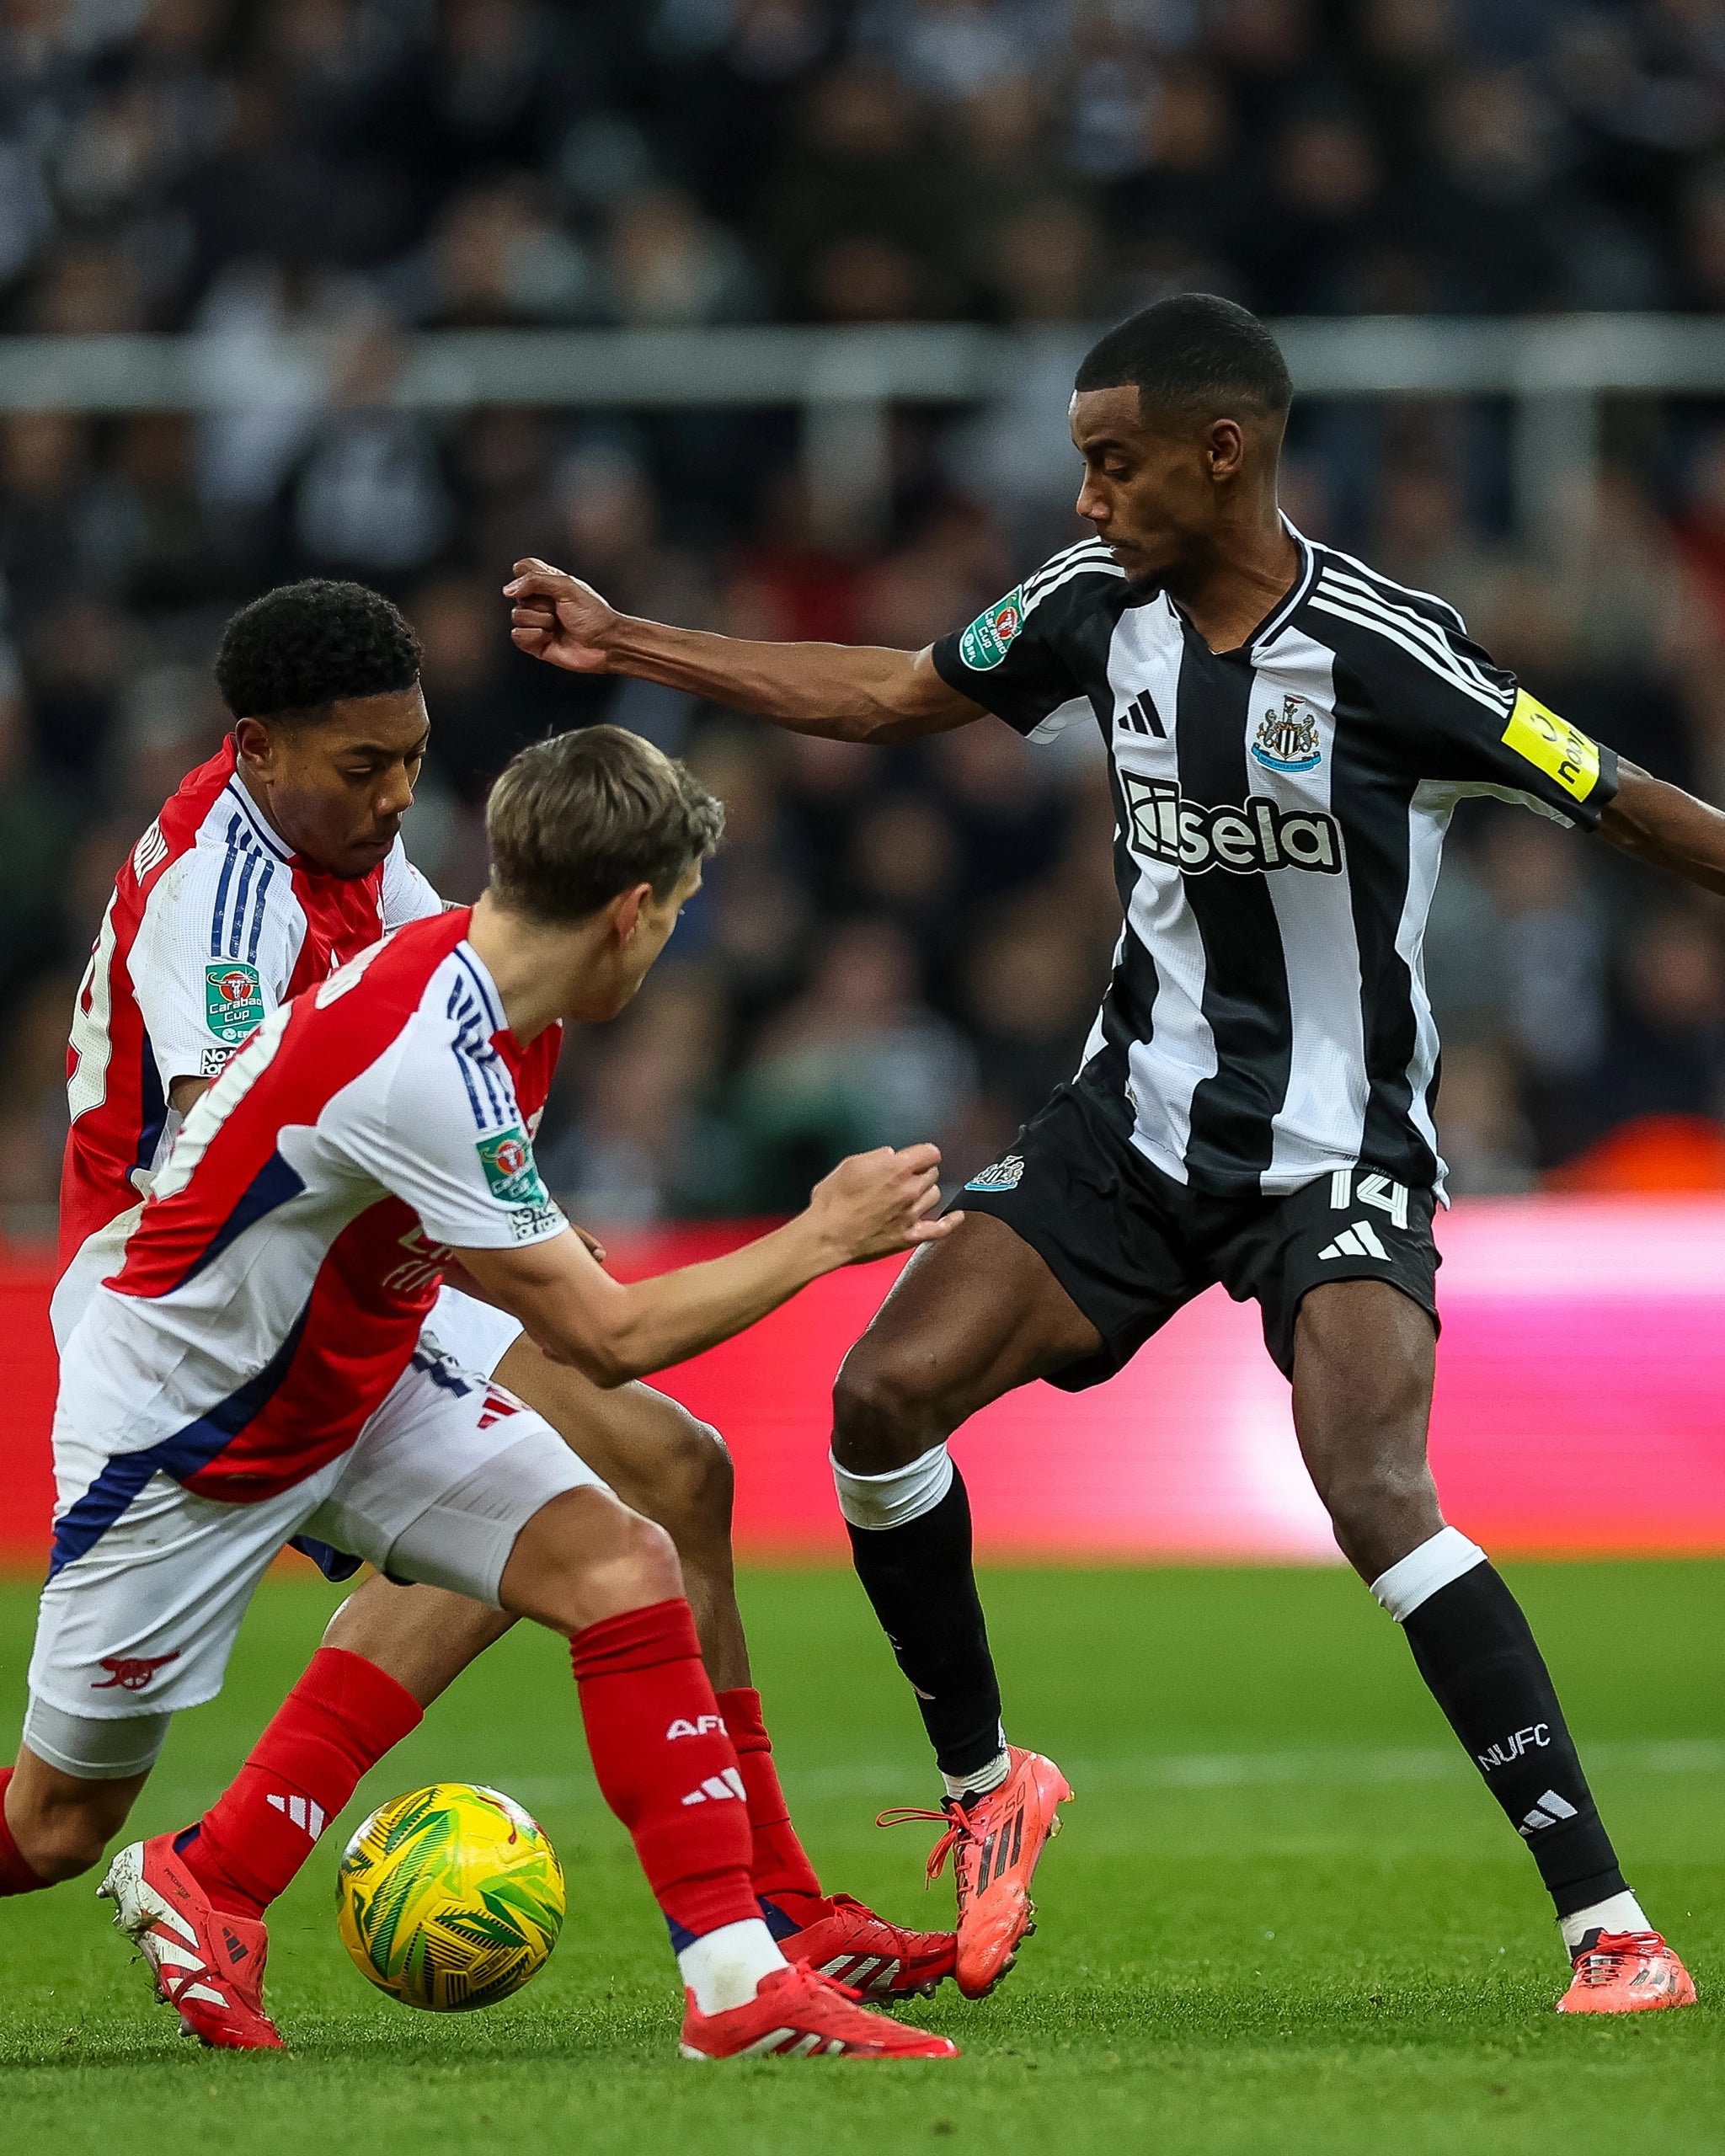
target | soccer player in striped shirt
x=1288, y=735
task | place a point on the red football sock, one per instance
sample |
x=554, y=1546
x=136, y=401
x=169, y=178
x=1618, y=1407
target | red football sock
x=780, y=1871
x=664, y=1764
x=339, y=1720
x=16, y=1877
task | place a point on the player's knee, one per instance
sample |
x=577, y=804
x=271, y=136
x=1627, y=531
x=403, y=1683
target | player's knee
x=1369, y=1502
x=696, y=1483
x=587, y=1555
x=644, y=1566
x=885, y=1411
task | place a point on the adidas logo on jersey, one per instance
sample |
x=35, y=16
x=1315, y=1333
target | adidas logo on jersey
x=1194, y=836
x=1360, y=1241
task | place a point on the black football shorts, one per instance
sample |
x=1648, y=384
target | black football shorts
x=1130, y=1245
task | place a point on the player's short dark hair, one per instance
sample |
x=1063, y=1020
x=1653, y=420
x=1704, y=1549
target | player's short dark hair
x=1195, y=352
x=577, y=819
x=303, y=647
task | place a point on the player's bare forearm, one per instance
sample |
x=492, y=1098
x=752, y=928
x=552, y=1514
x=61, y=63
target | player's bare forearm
x=649, y=1325
x=848, y=692
x=1664, y=825
x=869, y=1206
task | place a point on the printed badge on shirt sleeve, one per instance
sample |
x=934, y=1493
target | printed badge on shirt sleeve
x=530, y=1223
x=983, y=643
x=511, y=1172
x=234, y=1001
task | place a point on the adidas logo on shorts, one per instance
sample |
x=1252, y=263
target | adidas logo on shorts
x=1360, y=1240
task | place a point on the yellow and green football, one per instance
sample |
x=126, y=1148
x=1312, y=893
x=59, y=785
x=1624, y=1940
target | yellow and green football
x=450, y=1898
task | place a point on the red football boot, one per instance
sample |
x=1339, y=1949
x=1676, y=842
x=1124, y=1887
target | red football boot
x=796, y=2013
x=209, y=1966
x=1626, y=1972
x=994, y=1842
x=867, y=1955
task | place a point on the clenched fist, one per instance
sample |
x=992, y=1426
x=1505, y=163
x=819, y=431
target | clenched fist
x=557, y=617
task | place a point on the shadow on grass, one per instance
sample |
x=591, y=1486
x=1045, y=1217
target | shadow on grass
x=1506, y=2014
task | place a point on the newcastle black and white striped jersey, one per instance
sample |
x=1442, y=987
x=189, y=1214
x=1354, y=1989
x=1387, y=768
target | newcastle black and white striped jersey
x=1281, y=813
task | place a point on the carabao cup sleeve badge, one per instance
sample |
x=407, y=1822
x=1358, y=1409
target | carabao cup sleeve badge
x=233, y=1001
x=511, y=1172
x=983, y=643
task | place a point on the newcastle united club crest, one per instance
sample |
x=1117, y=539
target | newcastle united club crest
x=1287, y=738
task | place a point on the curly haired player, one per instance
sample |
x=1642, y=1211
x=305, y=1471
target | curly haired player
x=274, y=862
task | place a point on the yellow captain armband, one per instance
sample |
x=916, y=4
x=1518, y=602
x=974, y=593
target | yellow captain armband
x=1554, y=746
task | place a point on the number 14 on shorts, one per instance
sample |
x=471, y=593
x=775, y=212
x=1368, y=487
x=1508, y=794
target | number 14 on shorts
x=1351, y=1187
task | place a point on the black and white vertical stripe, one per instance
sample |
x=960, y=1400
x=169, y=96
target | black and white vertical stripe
x=1267, y=1020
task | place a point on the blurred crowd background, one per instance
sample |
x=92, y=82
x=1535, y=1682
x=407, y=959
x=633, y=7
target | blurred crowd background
x=893, y=944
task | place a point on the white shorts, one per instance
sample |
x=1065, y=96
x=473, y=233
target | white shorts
x=436, y=1488
x=478, y=1335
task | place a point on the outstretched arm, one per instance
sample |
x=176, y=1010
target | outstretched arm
x=871, y=1205
x=1664, y=825
x=848, y=692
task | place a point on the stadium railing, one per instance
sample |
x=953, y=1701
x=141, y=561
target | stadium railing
x=844, y=381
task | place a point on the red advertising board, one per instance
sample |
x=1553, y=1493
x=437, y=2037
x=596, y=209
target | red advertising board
x=1580, y=1405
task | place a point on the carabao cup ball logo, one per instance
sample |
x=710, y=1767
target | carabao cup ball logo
x=235, y=988
x=511, y=1156
x=450, y=1898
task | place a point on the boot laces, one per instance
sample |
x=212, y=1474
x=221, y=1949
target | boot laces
x=844, y=1991
x=957, y=1825
x=905, y=1938
x=1605, y=1960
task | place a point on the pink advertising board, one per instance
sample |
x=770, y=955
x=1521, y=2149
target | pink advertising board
x=1580, y=1405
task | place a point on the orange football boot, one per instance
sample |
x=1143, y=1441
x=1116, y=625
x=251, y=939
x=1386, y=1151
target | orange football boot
x=796, y=2013
x=1626, y=1972
x=994, y=1841
x=885, y=1962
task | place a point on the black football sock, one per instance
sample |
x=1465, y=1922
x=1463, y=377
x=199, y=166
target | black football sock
x=1475, y=1649
x=918, y=1575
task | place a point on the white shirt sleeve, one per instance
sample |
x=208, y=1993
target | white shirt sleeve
x=436, y=1123
x=213, y=955
x=407, y=895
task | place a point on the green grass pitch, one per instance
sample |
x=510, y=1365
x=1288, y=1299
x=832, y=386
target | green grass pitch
x=1284, y=1916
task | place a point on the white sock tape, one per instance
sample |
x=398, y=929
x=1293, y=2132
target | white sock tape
x=1618, y=1912
x=882, y=1501
x=1418, y=1577
x=723, y=1968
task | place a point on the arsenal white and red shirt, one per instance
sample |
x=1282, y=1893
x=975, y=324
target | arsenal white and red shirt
x=273, y=1286
x=214, y=923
